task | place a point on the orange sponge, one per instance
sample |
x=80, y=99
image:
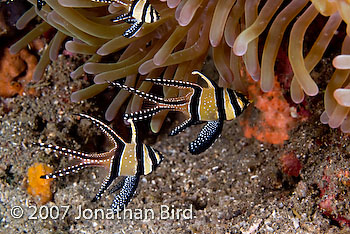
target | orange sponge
x=15, y=72
x=39, y=188
x=275, y=119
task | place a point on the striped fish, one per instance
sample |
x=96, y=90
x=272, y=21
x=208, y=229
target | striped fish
x=139, y=12
x=130, y=160
x=212, y=105
x=40, y=4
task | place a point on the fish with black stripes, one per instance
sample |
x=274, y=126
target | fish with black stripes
x=40, y=4
x=211, y=104
x=139, y=12
x=129, y=160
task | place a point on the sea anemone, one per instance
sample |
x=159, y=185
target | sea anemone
x=336, y=109
x=179, y=42
x=161, y=47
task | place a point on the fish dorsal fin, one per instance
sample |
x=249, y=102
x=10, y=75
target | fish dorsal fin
x=114, y=137
x=133, y=131
x=206, y=79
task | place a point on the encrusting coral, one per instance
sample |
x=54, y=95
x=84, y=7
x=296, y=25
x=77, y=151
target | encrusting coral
x=179, y=42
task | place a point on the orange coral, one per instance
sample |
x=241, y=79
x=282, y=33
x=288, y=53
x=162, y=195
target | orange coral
x=15, y=72
x=37, y=187
x=274, y=121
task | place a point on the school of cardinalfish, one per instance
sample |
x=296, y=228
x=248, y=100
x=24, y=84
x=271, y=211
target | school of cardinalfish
x=210, y=105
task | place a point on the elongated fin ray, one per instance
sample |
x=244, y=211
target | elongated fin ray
x=121, y=3
x=150, y=97
x=206, y=137
x=187, y=123
x=122, y=17
x=68, y=170
x=74, y=153
x=173, y=83
x=127, y=191
x=105, y=129
x=130, y=21
x=139, y=93
x=144, y=114
x=103, y=1
x=130, y=32
x=111, y=1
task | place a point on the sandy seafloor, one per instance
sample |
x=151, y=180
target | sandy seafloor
x=235, y=187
